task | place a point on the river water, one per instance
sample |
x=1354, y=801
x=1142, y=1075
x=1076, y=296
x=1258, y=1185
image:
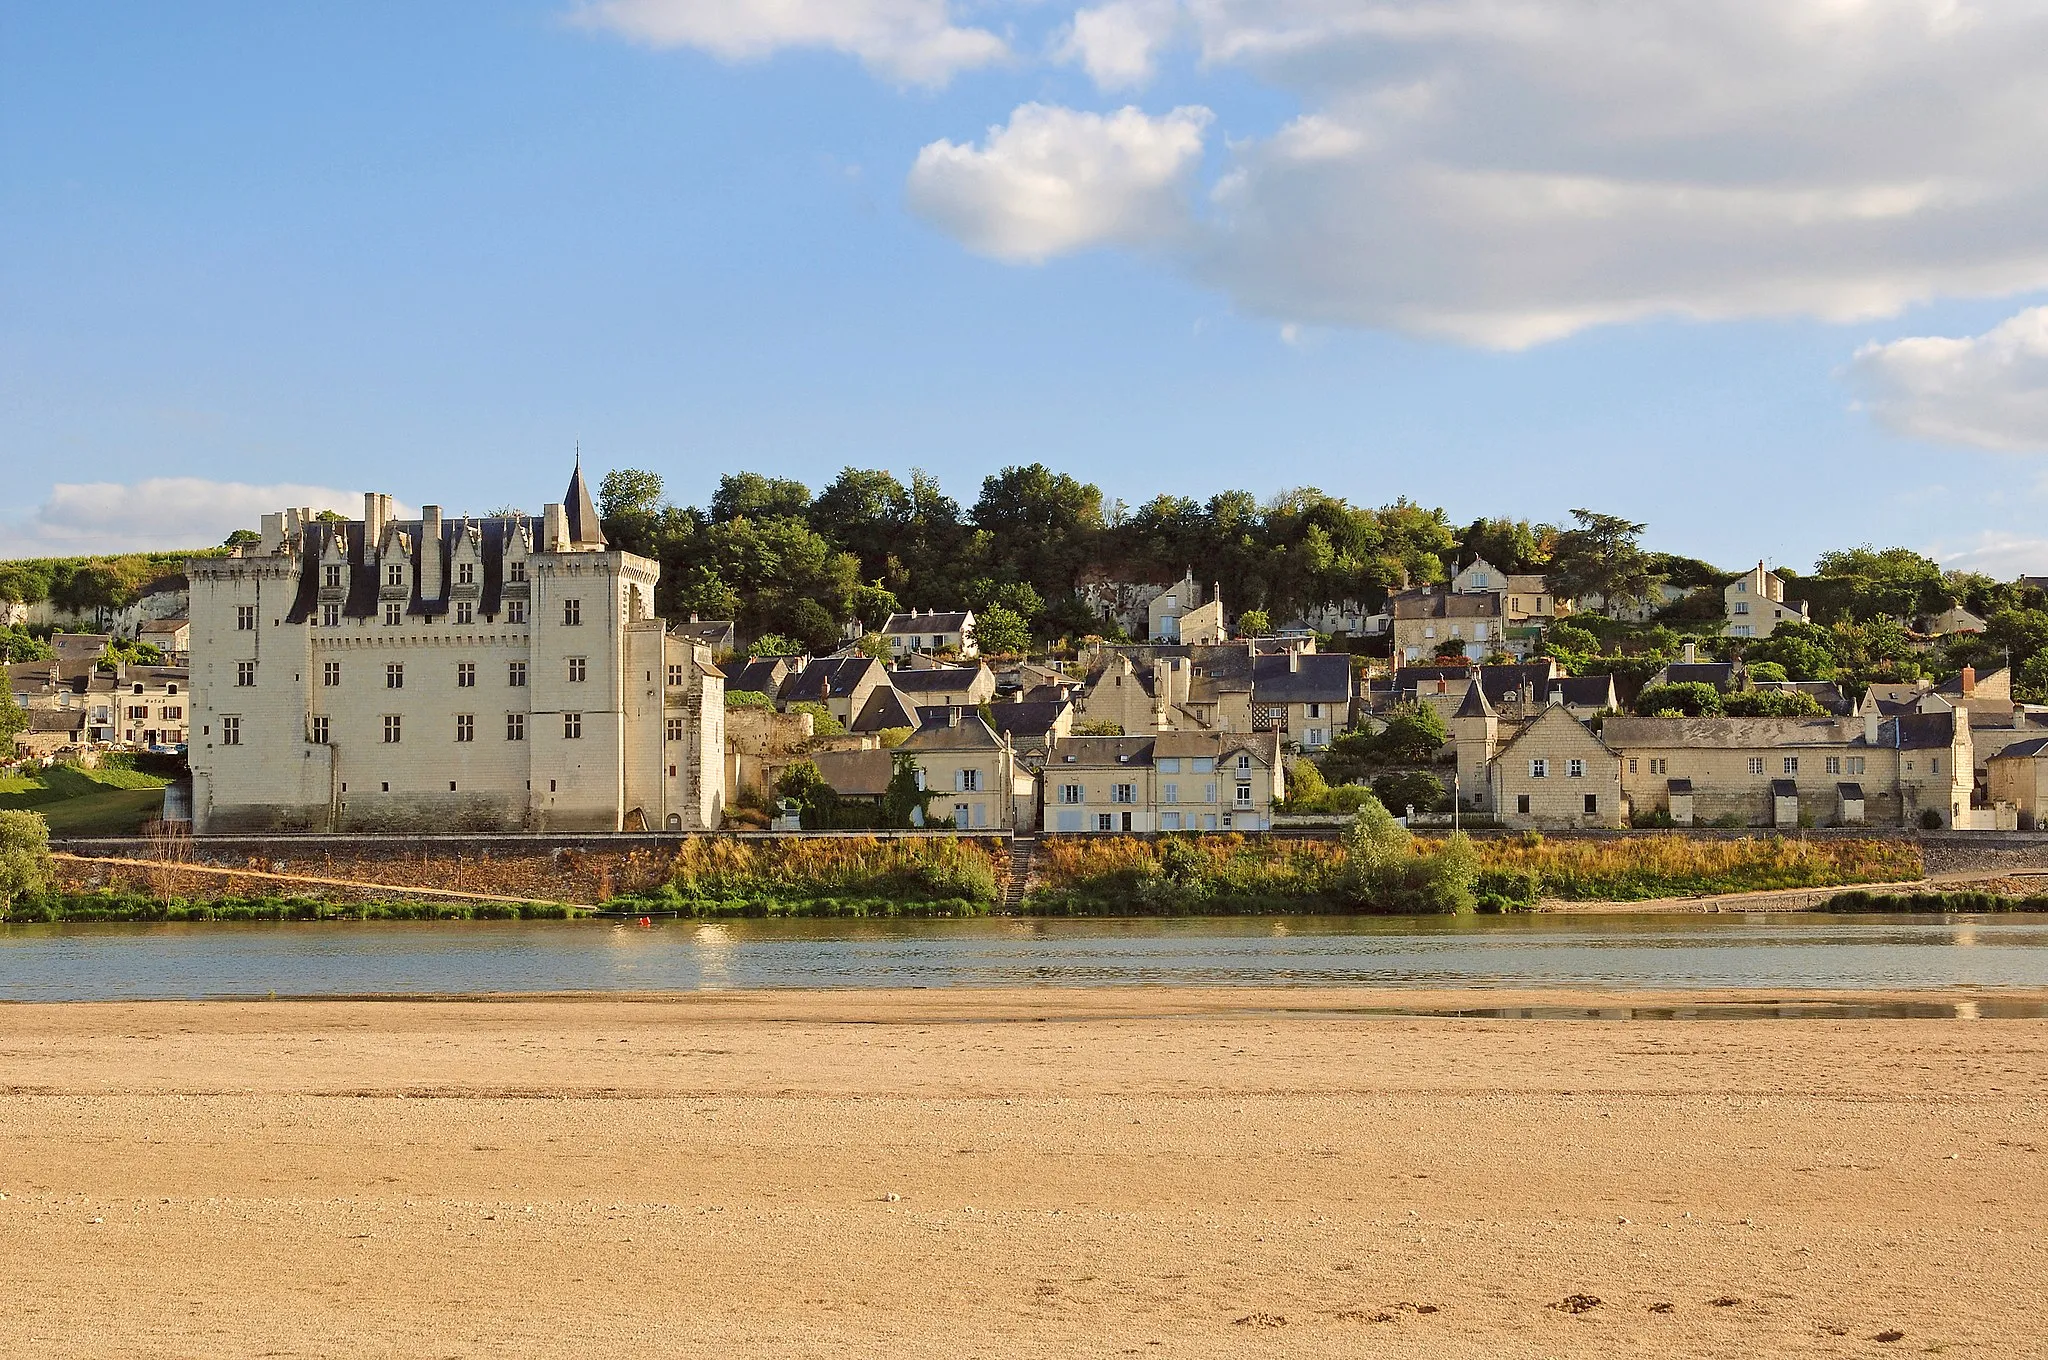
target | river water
x=1789, y=952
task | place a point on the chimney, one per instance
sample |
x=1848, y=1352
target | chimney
x=1692, y=653
x=554, y=535
x=1556, y=697
x=1871, y=720
x=1293, y=660
x=430, y=552
x=373, y=519
x=1969, y=679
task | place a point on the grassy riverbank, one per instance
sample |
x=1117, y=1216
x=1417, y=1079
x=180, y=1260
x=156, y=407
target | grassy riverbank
x=81, y=802
x=843, y=877
x=87, y=907
x=1636, y=868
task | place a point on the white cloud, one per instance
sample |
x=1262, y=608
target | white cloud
x=1506, y=172
x=912, y=41
x=1053, y=180
x=1990, y=390
x=160, y=513
x=1999, y=555
x=1117, y=43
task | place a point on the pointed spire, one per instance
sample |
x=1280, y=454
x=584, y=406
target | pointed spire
x=1475, y=705
x=580, y=510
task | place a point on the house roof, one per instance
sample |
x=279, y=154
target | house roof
x=937, y=681
x=1029, y=720
x=1097, y=753
x=1317, y=678
x=711, y=632
x=1921, y=731
x=1621, y=733
x=833, y=678
x=1719, y=674
x=1551, y=716
x=2030, y=749
x=970, y=734
x=1584, y=691
x=931, y=622
x=1265, y=746
x=1438, y=604
x=164, y=625
x=762, y=674
x=885, y=708
x=56, y=720
x=1850, y=793
x=856, y=774
x=1953, y=686
x=1784, y=788
x=1679, y=786
x=1475, y=704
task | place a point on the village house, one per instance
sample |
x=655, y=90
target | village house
x=1545, y=771
x=930, y=631
x=152, y=705
x=1303, y=695
x=1430, y=621
x=973, y=770
x=764, y=675
x=1952, y=622
x=501, y=674
x=942, y=686
x=172, y=637
x=1168, y=781
x=1755, y=604
x=717, y=634
x=843, y=684
x=1178, y=615
x=1351, y=618
x=2019, y=775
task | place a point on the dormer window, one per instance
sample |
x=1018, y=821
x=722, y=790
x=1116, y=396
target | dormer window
x=517, y=571
x=332, y=576
x=395, y=576
x=465, y=573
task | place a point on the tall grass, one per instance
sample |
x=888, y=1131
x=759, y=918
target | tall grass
x=1185, y=875
x=119, y=906
x=840, y=876
x=1632, y=868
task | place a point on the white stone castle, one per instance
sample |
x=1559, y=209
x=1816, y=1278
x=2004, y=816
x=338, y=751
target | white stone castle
x=437, y=675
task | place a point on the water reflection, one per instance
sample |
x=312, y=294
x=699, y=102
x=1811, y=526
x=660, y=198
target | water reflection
x=1667, y=952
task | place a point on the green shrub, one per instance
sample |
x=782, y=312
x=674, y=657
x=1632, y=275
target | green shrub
x=1930, y=820
x=1861, y=900
x=1503, y=890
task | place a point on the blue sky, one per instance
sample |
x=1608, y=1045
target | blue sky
x=424, y=248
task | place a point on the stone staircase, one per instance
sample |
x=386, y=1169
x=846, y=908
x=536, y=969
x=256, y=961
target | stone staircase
x=1023, y=849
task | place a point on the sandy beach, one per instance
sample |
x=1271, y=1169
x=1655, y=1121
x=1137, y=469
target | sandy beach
x=1132, y=1172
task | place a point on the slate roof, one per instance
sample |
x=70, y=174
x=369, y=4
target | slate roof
x=1028, y=721
x=1475, y=704
x=1439, y=604
x=56, y=720
x=885, y=707
x=1719, y=674
x=762, y=674
x=1098, y=753
x=832, y=678
x=933, y=622
x=856, y=774
x=1728, y=733
x=972, y=734
x=1320, y=678
x=1784, y=788
x=2029, y=749
x=584, y=530
x=1921, y=731
x=717, y=634
x=1850, y=793
x=938, y=681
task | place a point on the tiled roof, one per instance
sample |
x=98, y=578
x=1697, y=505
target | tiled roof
x=1317, y=678
x=832, y=678
x=1100, y=752
x=1621, y=733
x=927, y=623
x=939, y=681
x=971, y=734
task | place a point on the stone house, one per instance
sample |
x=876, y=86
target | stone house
x=172, y=637
x=1754, y=604
x=2019, y=775
x=152, y=705
x=945, y=686
x=1430, y=621
x=496, y=674
x=1167, y=781
x=931, y=631
x=1178, y=615
x=1303, y=695
x=974, y=771
x=843, y=684
x=1548, y=771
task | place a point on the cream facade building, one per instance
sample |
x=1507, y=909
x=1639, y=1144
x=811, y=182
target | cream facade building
x=500, y=674
x=1755, y=604
x=1170, y=781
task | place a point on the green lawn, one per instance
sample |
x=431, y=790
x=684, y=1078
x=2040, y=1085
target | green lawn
x=86, y=802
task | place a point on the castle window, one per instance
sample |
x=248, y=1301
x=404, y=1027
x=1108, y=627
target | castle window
x=675, y=729
x=515, y=674
x=515, y=611
x=515, y=727
x=572, y=613
x=465, y=727
x=465, y=573
x=394, y=614
x=230, y=730
x=394, y=675
x=579, y=670
x=395, y=576
x=394, y=728
x=332, y=576
x=572, y=726
x=245, y=673
x=330, y=673
x=465, y=675
x=516, y=571
x=319, y=730
x=245, y=618
x=465, y=612
x=330, y=616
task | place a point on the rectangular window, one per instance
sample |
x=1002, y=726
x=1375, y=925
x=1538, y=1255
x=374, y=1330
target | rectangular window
x=1539, y=768
x=1169, y=821
x=1934, y=765
x=675, y=729
x=1244, y=762
x=1834, y=765
x=1631, y=764
x=231, y=731
x=465, y=727
x=465, y=675
x=572, y=613
x=1660, y=767
x=675, y=677
x=1070, y=793
x=330, y=673
x=245, y=674
x=1123, y=793
x=1167, y=765
x=465, y=612
x=465, y=574
x=173, y=714
x=1855, y=764
x=394, y=728
x=394, y=675
x=515, y=727
x=1244, y=795
x=330, y=616
x=579, y=669
x=1105, y=822
x=515, y=674
x=332, y=576
x=1791, y=764
x=1592, y=805
x=1208, y=793
x=319, y=730
x=1170, y=793
x=515, y=611
x=1756, y=764
x=572, y=726
x=970, y=781
x=1522, y=804
x=1575, y=769
x=394, y=614
x=245, y=618
x=516, y=571
x=1203, y=764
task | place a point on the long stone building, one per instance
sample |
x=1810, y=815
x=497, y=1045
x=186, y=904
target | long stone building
x=502, y=674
